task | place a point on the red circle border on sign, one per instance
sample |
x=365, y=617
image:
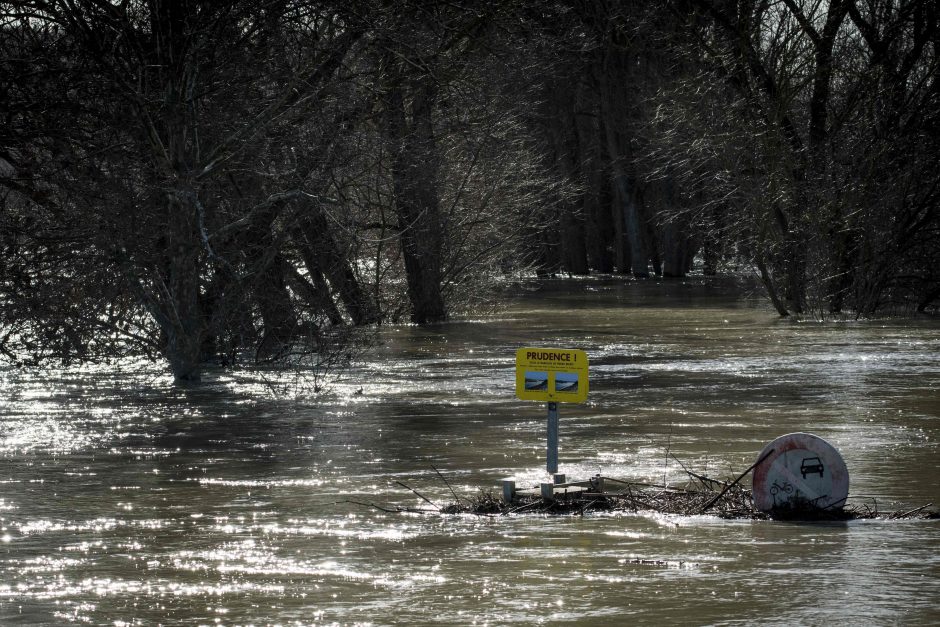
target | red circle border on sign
x=800, y=441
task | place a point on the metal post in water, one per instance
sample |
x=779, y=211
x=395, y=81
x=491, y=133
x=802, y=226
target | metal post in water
x=509, y=490
x=551, y=453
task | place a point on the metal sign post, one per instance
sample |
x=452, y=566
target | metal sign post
x=551, y=452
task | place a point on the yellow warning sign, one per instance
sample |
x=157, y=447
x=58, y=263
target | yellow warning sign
x=557, y=375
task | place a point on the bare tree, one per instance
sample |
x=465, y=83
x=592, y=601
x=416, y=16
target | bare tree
x=164, y=193
x=790, y=118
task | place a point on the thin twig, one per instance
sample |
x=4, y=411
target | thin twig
x=457, y=498
x=646, y=485
x=587, y=506
x=426, y=499
x=913, y=511
x=522, y=507
x=666, y=460
x=397, y=510
x=702, y=478
x=733, y=483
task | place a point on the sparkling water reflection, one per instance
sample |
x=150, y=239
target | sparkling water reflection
x=126, y=501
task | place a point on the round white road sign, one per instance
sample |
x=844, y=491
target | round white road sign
x=799, y=471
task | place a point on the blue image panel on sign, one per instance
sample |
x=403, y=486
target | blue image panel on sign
x=566, y=382
x=536, y=380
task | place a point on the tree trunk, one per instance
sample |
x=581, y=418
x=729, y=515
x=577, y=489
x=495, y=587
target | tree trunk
x=572, y=243
x=563, y=134
x=414, y=180
x=676, y=246
x=626, y=198
x=770, y=285
x=794, y=246
x=595, y=207
x=675, y=251
x=322, y=254
x=314, y=291
x=626, y=201
x=277, y=311
x=599, y=227
x=175, y=299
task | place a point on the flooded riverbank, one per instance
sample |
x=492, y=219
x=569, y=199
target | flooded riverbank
x=127, y=501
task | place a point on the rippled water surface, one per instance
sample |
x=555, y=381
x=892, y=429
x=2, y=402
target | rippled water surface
x=126, y=501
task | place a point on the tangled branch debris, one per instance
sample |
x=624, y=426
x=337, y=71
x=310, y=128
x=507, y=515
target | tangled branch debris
x=735, y=503
x=701, y=495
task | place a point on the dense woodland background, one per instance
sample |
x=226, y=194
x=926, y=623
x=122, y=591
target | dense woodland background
x=237, y=181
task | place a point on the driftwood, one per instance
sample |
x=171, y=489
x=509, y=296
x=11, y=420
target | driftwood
x=725, y=499
x=421, y=496
x=733, y=503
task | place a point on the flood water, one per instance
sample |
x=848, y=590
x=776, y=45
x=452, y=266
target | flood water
x=126, y=501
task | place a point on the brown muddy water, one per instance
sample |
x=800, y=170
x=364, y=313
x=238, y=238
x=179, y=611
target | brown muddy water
x=126, y=501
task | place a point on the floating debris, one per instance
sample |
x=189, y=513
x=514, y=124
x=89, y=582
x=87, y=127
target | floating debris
x=701, y=495
x=734, y=504
x=631, y=497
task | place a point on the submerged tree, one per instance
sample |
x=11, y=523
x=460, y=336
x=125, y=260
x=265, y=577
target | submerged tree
x=149, y=200
x=597, y=66
x=236, y=180
x=805, y=133
x=205, y=181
